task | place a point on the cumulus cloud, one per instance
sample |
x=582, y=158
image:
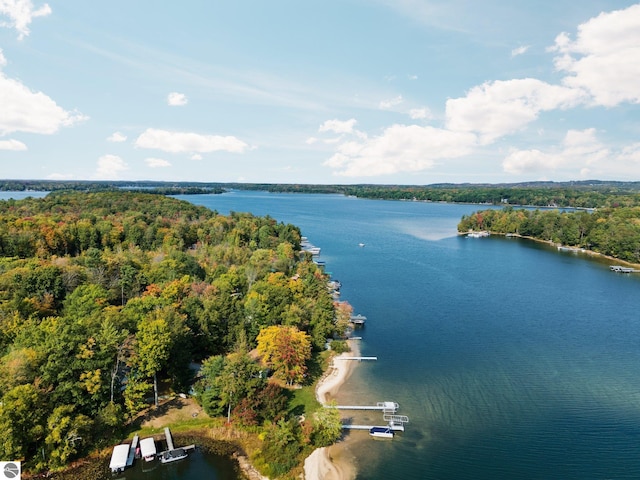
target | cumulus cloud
x=181, y=142
x=11, y=144
x=400, y=148
x=117, y=137
x=419, y=113
x=519, y=50
x=26, y=111
x=110, y=167
x=578, y=154
x=338, y=126
x=502, y=107
x=20, y=13
x=601, y=60
x=176, y=99
x=387, y=104
x=157, y=162
x=196, y=156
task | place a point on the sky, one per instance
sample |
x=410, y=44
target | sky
x=321, y=92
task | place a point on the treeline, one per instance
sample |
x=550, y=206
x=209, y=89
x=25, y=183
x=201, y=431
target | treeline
x=583, y=194
x=609, y=231
x=103, y=296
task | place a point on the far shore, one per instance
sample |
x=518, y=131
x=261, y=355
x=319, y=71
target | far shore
x=556, y=244
x=329, y=463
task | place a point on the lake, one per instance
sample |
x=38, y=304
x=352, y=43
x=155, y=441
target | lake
x=511, y=359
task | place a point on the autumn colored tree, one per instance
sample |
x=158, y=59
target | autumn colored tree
x=286, y=350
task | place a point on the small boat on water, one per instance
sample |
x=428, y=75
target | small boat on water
x=173, y=455
x=381, y=432
x=361, y=244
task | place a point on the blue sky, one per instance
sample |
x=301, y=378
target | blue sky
x=349, y=91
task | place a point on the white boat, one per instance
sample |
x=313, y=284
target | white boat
x=381, y=432
x=361, y=244
x=173, y=455
x=148, y=449
x=119, y=458
x=477, y=234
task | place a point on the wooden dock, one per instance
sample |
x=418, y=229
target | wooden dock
x=170, y=446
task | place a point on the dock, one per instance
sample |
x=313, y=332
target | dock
x=621, y=269
x=355, y=358
x=172, y=453
x=384, y=407
x=132, y=450
x=397, y=428
x=358, y=319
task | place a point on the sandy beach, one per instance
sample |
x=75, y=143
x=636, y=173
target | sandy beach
x=331, y=463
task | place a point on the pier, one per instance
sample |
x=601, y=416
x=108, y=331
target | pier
x=397, y=428
x=384, y=407
x=358, y=319
x=172, y=453
x=355, y=358
x=621, y=269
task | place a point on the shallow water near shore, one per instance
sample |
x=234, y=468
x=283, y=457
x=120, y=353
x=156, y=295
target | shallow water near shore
x=512, y=360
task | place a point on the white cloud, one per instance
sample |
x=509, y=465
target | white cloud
x=311, y=140
x=419, y=113
x=196, y=156
x=117, y=137
x=401, y=148
x=603, y=58
x=579, y=154
x=502, y=107
x=387, y=104
x=157, y=162
x=110, y=166
x=176, y=99
x=26, y=111
x=519, y=50
x=11, y=144
x=338, y=126
x=3, y=60
x=20, y=13
x=180, y=142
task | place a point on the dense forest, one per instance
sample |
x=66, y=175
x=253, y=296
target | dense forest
x=104, y=296
x=610, y=231
x=583, y=194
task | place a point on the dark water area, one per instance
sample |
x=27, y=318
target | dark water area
x=512, y=360
x=198, y=465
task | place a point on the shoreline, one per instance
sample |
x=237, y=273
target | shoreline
x=329, y=463
x=585, y=251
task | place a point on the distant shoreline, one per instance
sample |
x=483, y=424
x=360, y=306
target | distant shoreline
x=586, y=251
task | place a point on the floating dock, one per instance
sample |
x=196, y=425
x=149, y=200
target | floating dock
x=132, y=451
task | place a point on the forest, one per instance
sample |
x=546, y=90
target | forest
x=576, y=194
x=609, y=231
x=106, y=297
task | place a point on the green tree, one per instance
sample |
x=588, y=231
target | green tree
x=153, y=343
x=67, y=435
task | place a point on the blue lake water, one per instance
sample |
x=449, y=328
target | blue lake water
x=512, y=360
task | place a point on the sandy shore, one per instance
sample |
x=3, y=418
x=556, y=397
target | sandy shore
x=330, y=463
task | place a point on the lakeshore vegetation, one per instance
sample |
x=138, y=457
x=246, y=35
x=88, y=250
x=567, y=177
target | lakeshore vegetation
x=109, y=299
x=614, y=232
